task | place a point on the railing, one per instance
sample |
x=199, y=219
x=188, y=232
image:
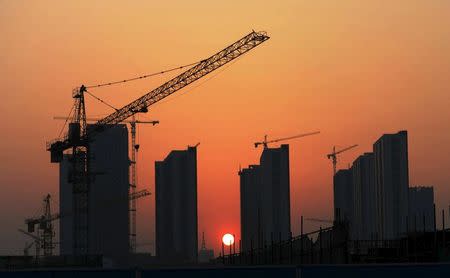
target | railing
x=321, y=246
x=332, y=246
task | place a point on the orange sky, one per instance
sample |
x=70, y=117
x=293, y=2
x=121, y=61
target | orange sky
x=351, y=69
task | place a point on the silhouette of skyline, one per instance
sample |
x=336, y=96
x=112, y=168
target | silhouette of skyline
x=108, y=231
x=354, y=71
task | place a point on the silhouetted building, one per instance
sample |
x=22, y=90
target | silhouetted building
x=109, y=205
x=275, y=194
x=176, y=207
x=364, y=201
x=343, y=195
x=421, y=209
x=108, y=232
x=265, y=199
x=250, y=186
x=391, y=183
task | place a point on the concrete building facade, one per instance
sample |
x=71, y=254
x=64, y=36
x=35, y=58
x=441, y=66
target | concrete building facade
x=364, y=201
x=343, y=195
x=265, y=199
x=421, y=209
x=65, y=207
x=275, y=194
x=108, y=205
x=176, y=207
x=108, y=232
x=391, y=183
x=250, y=189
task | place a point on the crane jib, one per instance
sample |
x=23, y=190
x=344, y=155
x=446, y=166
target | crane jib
x=203, y=68
x=198, y=71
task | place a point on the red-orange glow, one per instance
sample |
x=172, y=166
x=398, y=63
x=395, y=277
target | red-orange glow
x=351, y=69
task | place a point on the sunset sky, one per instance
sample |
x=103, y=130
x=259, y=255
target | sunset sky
x=351, y=69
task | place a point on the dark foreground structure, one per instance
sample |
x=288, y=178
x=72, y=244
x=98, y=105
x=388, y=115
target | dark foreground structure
x=176, y=207
x=108, y=218
x=332, y=246
x=348, y=271
x=265, y=199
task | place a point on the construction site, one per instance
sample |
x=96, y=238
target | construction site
x=94, y=157
x=99, y=230
x=311, y=157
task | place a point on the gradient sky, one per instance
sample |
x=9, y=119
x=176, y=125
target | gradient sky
x=351, y=69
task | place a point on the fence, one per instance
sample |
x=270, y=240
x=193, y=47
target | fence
x=332, y=246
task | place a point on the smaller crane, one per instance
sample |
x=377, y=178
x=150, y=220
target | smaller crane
x=134, y=181
x=44, y=223
x=333, y=156
x=44, y=238
x=265, y=142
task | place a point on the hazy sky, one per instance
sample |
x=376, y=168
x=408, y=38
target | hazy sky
x=351, y=69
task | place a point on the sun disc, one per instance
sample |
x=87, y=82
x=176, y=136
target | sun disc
x=228, y=239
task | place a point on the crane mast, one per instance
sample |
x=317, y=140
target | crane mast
x=47, y=227
x=333, y=156
x=79, y=135
x=133, y=185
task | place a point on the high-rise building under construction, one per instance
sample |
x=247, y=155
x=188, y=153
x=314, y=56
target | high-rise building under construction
x=391, y=183
x=265, y=199
x=343, y=195
x=176, y=207
x=250, y=200
x=363, y=226
x=108, y=233
x=275, y=185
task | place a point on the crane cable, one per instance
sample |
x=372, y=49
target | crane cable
x=67, y=119
x=130, y=79
x=153, y=74
x=140, y=77
x=195, y=86
x=101, y=100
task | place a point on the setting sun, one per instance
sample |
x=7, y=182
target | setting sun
x=228, y=239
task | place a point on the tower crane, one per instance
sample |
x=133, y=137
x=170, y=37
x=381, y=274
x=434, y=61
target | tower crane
x=78, y=136
x=133, y=183
x=45, y=226
x=333, y=156
x=44, y=238
x=265, y=142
